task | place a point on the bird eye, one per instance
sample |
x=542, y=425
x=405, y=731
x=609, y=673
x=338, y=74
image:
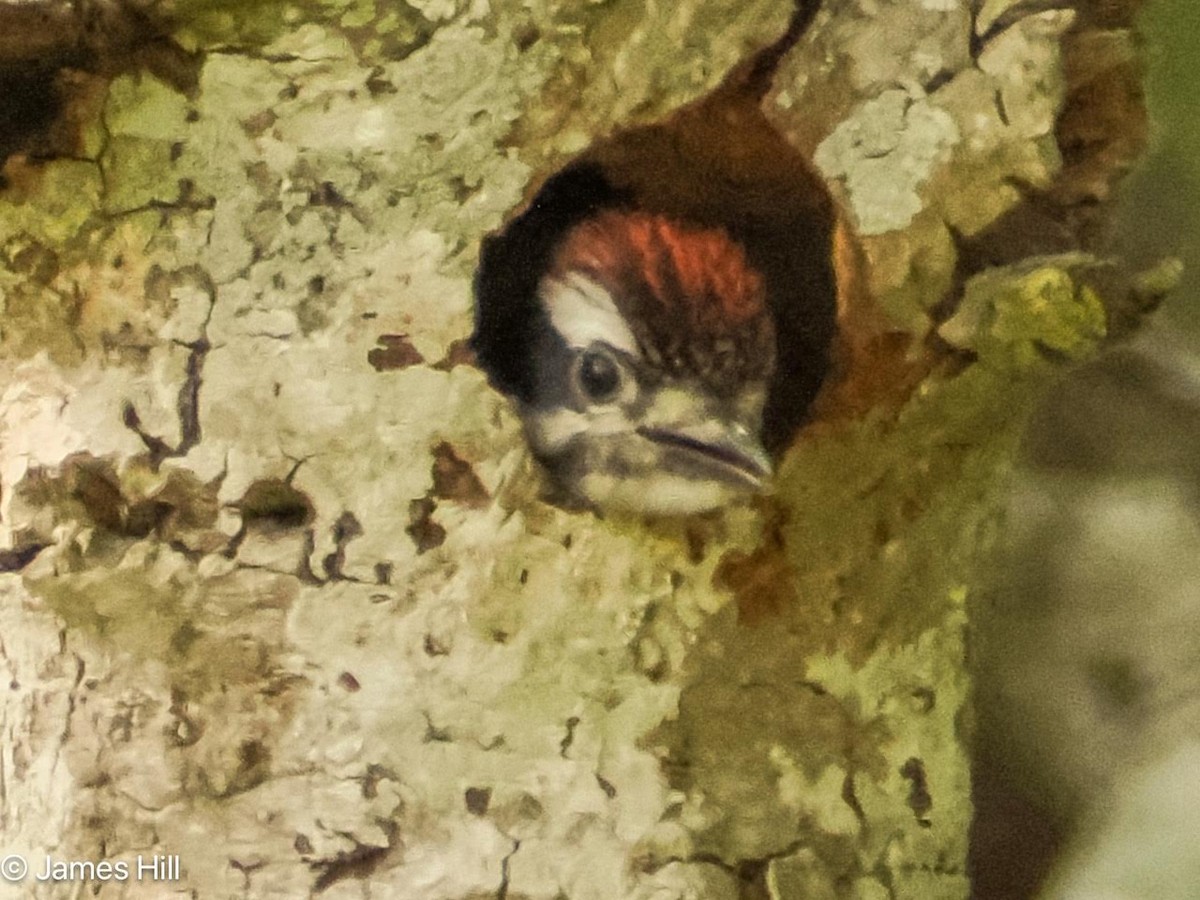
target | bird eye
x=599, y=375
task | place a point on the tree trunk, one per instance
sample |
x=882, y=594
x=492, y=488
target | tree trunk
x=285, y=600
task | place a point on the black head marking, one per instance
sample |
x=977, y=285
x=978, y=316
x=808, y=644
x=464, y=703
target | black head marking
x=508, y=316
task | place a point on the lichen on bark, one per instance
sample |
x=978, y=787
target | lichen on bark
x=286, y=584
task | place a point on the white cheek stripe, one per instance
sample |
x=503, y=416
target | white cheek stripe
x=583, y=312
x=551, y=430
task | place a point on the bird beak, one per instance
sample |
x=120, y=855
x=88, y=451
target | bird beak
x=729, y=452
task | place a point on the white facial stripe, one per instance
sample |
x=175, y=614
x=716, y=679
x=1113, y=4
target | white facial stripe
x=583, y=312
x=551, y=430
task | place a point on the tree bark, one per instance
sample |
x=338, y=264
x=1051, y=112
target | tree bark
x=284, y=599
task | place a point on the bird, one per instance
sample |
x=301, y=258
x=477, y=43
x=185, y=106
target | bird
x=652, y=376
x=640, y=349
x=663, y=311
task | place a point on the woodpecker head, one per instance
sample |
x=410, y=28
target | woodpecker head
x=649, y=353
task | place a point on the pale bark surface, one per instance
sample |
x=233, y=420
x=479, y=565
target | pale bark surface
x=300, y=616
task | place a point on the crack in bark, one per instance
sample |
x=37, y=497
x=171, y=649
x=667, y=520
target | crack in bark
x=273, y=58
x=850, y=798
x=736, y=869
x=1001, y=107
x=434, y=734
x=189, y=395
x=304, y=570
x=569, y=737
x=358, y=862
x=502, y=891
x=188, y=402
x=1010, y=17
x=345, y=529
x=919, y=799
x=246, y=869
x=80, y=668
x=183, y=204
x=758, y=73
